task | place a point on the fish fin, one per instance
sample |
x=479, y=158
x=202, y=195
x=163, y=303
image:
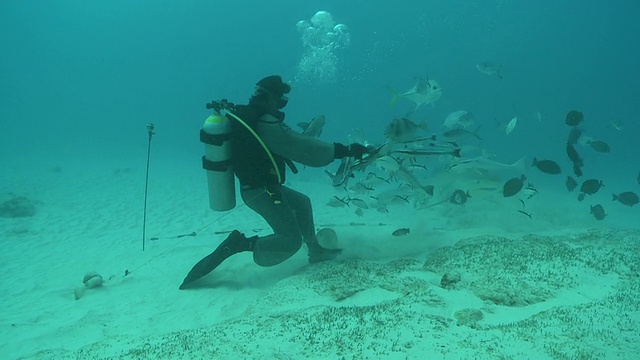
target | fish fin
x=520, y=165
x=475, y=132
x=330, y=174
x=394, y=96
x=424, y=125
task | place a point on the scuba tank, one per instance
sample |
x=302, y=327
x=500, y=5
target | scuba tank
x=216, y=136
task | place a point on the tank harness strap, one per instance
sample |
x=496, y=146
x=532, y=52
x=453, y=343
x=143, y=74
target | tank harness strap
x=220, y=166
x=214, y=139
x=292, y=166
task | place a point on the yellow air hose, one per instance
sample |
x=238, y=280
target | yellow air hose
x=264, y=146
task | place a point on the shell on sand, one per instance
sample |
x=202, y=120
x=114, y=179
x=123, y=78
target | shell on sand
x=327, y=238
x=79, y=292
x=91, y=280
x=94, y=282
x=88, y=276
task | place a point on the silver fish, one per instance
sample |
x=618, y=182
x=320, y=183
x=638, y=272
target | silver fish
x=406, y=175
x=511, y=125
x=460, y=118
x=314, y=127
x=423, y=152
x=337, y=202
x=388, y=163
x=489, y=68
x=425, y=91
x=402, y=129
x=344, y=172
x=484, y=164
x=616, y=124
x=358, y=203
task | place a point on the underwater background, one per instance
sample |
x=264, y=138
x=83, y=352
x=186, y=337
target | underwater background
x=82, y=78
x=80, y=81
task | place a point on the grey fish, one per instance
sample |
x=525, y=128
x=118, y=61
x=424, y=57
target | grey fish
x=314, y=127
x=574, y=118
x=359, y=203
x=401, y=232
x=402, y=173
x=591, y=186
x=571, y=183
x=628, y=198
x=422, y=152
x=599, y=146
x=425, y=91
x=547, y=166
x=459, y=197
x=574, y=136
x=460, y=133
x=525, y=213
x=577, y=169
x=573, y=155
x=403, y=129
x=598, y=212
x=489, y=68
x=513, y=186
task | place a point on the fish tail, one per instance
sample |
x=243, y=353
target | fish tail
x=475, y=133
x=456, y=153
x=520, y=164
x=499, y=73
x=615, y=197
x=394, y=95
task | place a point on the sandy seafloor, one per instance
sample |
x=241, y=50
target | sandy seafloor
x=559, y=286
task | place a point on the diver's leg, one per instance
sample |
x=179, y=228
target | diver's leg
x=287, y=238
x=236, y=242
x=301, y=204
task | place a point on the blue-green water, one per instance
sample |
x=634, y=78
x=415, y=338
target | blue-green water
x=79, y=81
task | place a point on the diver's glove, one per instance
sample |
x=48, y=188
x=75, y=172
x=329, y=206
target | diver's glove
x=354, y=150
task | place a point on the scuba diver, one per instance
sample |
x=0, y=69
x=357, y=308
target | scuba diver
x=288, y=212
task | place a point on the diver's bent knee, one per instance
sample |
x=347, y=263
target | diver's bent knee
x=285, y=249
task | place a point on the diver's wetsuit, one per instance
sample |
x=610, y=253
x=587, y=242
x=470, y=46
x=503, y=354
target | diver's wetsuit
x=288, y=212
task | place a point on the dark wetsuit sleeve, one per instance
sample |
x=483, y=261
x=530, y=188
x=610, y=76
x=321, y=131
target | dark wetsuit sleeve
x=290, y=144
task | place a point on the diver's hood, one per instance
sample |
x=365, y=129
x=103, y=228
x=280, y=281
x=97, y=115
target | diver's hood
x=274, y=85
x=268, y=88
